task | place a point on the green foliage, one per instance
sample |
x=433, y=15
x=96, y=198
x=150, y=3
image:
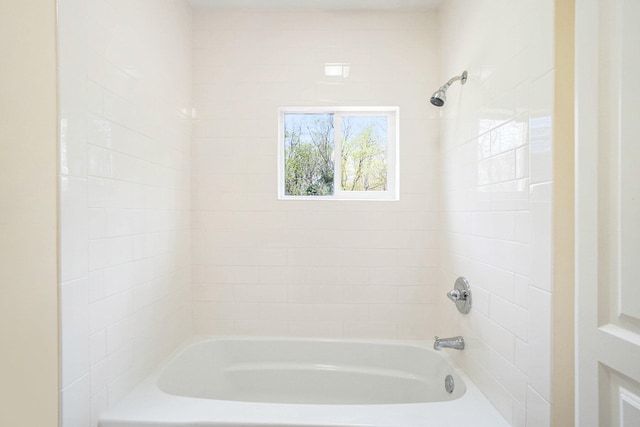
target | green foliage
x=364, y=166
x=309, y=147
x=308, y=153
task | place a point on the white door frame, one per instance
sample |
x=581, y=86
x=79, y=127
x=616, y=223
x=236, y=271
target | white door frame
x=586, y=221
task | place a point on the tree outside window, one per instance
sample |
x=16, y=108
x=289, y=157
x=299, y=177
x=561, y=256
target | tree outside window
x=365, y=167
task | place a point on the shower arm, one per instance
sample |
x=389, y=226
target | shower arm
x=452, y=80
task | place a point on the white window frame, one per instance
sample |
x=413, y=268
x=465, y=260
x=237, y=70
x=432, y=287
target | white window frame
x=393, y=152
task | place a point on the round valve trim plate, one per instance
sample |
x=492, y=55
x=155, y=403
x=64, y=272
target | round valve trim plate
x=462, y=286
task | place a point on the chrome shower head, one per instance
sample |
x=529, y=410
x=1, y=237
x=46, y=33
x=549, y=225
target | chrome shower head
x=440, y=96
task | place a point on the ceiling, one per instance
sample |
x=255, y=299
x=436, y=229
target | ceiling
x=318, y=4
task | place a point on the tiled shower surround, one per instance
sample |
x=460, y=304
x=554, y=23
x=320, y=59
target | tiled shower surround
x=310, y=268
x=170, y=222
x=497, y=184
x=125, y=154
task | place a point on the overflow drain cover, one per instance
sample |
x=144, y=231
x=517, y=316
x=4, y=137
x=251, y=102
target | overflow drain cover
x=448, y=384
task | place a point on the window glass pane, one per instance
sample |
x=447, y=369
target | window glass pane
x=308, y=154
x=364, y=153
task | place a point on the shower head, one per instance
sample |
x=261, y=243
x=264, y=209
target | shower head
x=440, y=96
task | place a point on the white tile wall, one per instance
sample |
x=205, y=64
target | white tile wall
x=341, y=269
x=75, y=404
x=125, y=100
x=497, y=185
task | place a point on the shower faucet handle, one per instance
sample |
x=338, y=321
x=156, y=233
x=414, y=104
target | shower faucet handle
x=458, y=295
x=461, y=295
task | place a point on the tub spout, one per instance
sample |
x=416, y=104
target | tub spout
x=453, y=342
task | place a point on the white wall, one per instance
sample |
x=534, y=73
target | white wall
x=313, y=268
x=496, y=140
x=28, y=215
x=125, y=153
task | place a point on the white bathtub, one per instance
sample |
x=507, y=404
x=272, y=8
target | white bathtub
x=250, y=382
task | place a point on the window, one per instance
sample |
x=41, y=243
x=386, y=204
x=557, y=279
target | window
x=338, y=153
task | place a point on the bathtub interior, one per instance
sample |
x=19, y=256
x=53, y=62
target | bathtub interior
x=309, y=372
x=182, y=392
